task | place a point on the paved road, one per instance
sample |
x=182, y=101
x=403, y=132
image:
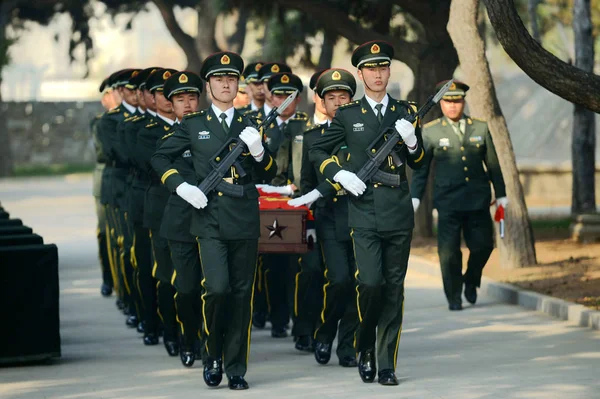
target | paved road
x=489, y=351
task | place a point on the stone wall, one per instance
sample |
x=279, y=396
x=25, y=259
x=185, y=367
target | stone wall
x=51, y=133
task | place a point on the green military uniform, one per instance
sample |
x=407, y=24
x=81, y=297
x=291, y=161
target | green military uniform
x=382, y=218
x=154, y=205
x=141, y=246
x=101, y=233
x=121, y=186
x=111, y=177
x=331, y=216
x=175, y=228
x=227, y=229
x=461, y=193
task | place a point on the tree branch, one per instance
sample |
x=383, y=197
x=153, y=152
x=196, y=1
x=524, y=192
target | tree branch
x=185, y=41
x=548, y=71
x=339, y=22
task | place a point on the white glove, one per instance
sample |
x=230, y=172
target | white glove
x=261, y=185
x=502, y=201
x=307, y=199
x=351, y=182
x=253, y=140
x=192, y=194
x=311, y=234
x=416, y=202
x=283, y=190
x=407, y=132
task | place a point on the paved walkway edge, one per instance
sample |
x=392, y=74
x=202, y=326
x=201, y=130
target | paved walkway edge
x=507, y=293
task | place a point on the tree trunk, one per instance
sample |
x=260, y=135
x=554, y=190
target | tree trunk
x=564, y=80
x=273, y=47
x=583, y=146
x=329, y=41
x=207, y=21
x=185, y=41
x=517, y=248
x=533, y=19
x=6, y=158
x=236, y=41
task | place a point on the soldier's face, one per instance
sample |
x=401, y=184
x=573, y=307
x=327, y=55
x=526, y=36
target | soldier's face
x=267, y=92
x=319, y=107
x=453, y=109
x=278, y=99
x=163, y=105
x=256, y=91
x=116, y=98
x=140, y=97
x=223, y=88
x=333, y=100
x=130, y=96
x=241, y=100
x=149, y=101
x=375, y=78
x=184, y=103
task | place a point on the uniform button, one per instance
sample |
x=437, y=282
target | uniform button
x=462, y=148
x=220, y=194
x=335, y=200
x=392, y=167
x=218, y=159
x=466, y=179
x=477, y=145
x=464, y=158
x=375, y=185
x=466, y=168
x=236, y=176
x=373, y=150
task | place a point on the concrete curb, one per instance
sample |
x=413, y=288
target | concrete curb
x=507, y=293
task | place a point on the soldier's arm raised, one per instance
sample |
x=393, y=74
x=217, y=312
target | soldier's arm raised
x=266, y=168
x=416, y=154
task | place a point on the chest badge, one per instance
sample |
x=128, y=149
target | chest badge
x=358, y=127
x=187, y=154
x=204, y=135
x=476, y=139
x=445, y=142
x=298, y=139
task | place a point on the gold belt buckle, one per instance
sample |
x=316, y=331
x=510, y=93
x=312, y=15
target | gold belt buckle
x=228, y=180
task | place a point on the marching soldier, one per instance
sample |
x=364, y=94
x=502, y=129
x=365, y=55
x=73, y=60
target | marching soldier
x=460, y=146
x=141, y=247
x=335, y=88
x=101, y=231
x=254, y=87
x=156, y=199
x=286, y=140
x=320, y=114
x=381, y=216
x=226, y=228
x=264, y=74
x=113, y=179
x=183, y=89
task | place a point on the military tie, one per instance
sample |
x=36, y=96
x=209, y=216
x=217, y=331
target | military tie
x=379, y=114
x=223, y=117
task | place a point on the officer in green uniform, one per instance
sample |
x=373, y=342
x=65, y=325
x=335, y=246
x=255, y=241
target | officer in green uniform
x=460, y=146
x=381, y=216
x=112, y=179
x=183, y=90
x=335, y=88
x=121, y=184
x=157, y=286
x=101, y=234
x=320, y=115
x=254, y=87
x=226, y=228
x=141, y=247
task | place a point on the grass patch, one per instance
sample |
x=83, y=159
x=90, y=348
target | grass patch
x=52, y=170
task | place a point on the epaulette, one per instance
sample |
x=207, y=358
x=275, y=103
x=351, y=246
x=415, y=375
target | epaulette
x=300, y=116
x=249, y=112
x=114, y=111
x=99, y=115
x=139, y=118
x=131, y=118
x=350, y=104
x=479, y=119
x=153, y=124
x=433, y=122
x=198, y=113
x=167, y=135
x=313, y=128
